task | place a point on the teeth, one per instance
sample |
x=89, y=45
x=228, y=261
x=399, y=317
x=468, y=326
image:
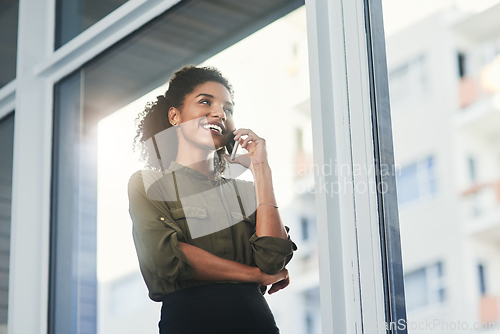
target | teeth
x=213, y=126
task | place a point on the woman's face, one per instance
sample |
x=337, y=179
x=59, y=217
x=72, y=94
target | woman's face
x=206, y=118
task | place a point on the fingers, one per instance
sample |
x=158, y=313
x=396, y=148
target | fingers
x=243, y=132
x=279, y=285
x=245, y=141
x=283, y=274
x=251, y=136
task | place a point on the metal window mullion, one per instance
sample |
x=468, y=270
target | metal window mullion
x=358, y=286
x=29, y=250
x=367, y=229
x=392, y=262
x=90, y=43
x=340, y=299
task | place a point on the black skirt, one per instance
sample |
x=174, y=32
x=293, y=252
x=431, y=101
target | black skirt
x=217, y=308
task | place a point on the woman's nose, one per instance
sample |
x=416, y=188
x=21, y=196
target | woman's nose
x=219, y=112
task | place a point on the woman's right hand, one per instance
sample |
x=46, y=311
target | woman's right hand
x=281, y=276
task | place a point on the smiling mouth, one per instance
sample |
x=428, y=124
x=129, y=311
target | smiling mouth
x=213, y=128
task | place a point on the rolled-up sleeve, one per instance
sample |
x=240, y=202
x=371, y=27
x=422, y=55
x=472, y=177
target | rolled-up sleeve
x=156, y=235
x=272, y=254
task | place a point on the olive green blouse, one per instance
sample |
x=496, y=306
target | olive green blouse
x=218, y=215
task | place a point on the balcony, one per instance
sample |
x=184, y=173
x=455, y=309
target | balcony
x=480, y=102
x=481, y=210
x=488, y=309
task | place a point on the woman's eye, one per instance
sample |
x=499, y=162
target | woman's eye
x=230, y=111
x=205, y=101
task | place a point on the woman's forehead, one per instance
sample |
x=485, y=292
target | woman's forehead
x=214, y=89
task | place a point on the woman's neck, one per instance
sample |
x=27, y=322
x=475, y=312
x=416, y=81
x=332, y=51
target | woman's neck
x=197, y=159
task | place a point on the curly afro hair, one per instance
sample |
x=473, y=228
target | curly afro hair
x=154, y=118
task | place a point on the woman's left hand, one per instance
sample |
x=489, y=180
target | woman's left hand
x=255, y=145
x=279, y=285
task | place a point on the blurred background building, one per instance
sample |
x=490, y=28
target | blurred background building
x=444, y=77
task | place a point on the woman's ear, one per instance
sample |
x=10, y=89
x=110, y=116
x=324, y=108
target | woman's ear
x=173, y=116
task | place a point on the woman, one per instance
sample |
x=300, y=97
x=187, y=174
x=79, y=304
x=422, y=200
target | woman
x=208, y=246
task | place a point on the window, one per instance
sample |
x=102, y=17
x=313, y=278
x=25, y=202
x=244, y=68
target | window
x=482, y=280
x=99, y=129
x=75, y=16
x=424, y=287
x=416, y=181
x=408, y=82
x=311, y=311
x=461, y=64
x=8, y=40
x=471, y=162
x=309, y=323
x=6, y=152
x=304, y=223
x=88, y=84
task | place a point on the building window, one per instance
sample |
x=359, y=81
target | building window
x=416, y=181
x=312, y=311
x=309, y=323
x=408, y=82
x=482, y=279
x=461, y=64
x=472, y=166
x=424, y=287
x=304, y=223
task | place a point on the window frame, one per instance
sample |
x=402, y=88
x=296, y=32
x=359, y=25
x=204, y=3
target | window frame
x=364, y=227
x=358, y=232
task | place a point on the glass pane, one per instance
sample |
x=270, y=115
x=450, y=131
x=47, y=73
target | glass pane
x=416, y=289
x=8, y=40
x=96, y=284
x=6, y=152
x=444, y=73
x=407, y=183
x=286, y=67
x=75, y=16
x=73, y=273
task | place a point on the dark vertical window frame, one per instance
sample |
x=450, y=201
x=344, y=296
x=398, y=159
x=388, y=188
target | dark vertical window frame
x=392, y=263
x=6, y=169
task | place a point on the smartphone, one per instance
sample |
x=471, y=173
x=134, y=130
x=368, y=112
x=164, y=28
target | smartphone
x=230, y=143
x=232, y=147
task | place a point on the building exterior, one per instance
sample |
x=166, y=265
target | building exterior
x=446, y=128
x=80, y=62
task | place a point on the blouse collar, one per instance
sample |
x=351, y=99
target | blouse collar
x=177, y=167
